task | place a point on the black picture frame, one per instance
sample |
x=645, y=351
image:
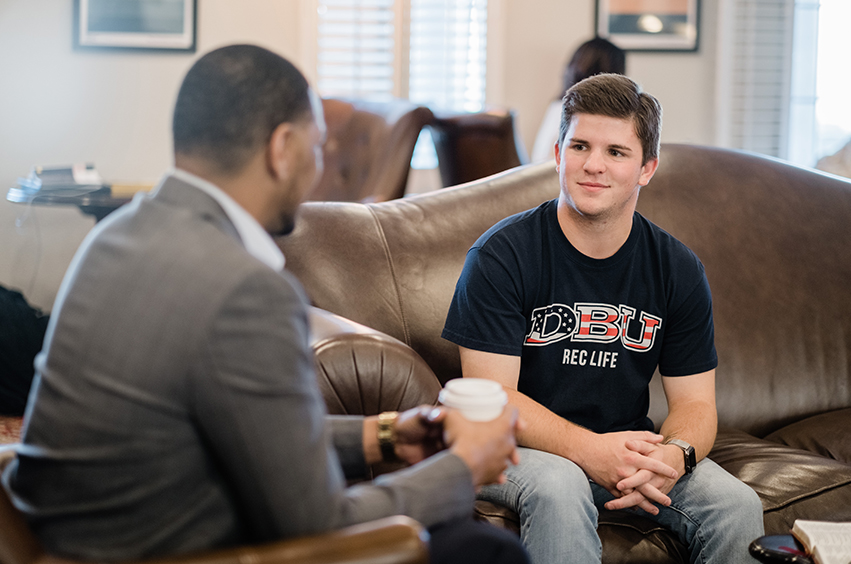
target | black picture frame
x=649, y=25
x=160, y=25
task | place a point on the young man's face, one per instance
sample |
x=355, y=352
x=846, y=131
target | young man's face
x=599, y=167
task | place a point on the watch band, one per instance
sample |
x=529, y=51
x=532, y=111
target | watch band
x=387, y=435
x=689, y=458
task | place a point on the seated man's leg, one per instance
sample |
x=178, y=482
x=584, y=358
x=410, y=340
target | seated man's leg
x=715, y=515
x=465, y=541
x=552, y=496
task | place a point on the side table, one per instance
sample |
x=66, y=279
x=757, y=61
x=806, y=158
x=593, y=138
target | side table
x=98, y=203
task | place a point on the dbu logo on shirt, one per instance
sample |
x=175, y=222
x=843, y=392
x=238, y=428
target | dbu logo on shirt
x=591, y=323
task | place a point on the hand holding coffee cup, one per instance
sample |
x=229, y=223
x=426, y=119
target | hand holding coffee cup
x=479, y=428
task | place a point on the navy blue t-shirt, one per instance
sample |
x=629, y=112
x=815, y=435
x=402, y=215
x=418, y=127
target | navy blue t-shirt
x=590, y=332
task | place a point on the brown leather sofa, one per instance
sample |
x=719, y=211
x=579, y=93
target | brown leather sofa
x=776, y=243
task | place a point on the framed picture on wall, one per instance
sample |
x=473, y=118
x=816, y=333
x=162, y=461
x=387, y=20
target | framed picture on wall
x=649, y=25
x=135, y=24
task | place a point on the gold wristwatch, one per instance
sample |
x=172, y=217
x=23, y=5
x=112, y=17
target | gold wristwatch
x=387, y=435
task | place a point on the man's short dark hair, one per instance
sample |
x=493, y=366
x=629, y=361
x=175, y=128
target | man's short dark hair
x=231, y=101
x=620, y=97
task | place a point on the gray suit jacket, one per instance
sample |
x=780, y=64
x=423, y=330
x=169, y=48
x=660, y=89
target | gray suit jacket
x=175, y=407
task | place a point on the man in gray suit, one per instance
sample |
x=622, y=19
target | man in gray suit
x=175, y=407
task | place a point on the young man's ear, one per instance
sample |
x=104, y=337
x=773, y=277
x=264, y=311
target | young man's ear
x=647, y=171
x=557, y=154
x=278, y=151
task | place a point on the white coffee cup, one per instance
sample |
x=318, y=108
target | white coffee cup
x=477, y=399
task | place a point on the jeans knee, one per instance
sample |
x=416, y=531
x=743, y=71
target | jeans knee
x=749, y=501
x=555, y=482
x=744, y=508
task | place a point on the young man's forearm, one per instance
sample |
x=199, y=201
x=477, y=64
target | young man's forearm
x=547, y=431
x=694, y=422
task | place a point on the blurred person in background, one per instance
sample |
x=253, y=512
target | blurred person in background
x=592, y=57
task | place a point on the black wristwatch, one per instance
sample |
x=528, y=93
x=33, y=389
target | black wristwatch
x=688, y=453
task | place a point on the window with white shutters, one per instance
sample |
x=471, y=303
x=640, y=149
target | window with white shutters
x=431, y=51
x=448, y=53
x=755, y=75
x=356, y=47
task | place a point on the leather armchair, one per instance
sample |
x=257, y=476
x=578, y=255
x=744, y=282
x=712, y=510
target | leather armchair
x=368, y=149
x=470, y=146
x=774, y=239
x=394, y=540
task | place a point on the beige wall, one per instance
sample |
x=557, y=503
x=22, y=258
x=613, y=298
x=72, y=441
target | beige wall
x=60, y=106
x=112, y=108
x=540, y=35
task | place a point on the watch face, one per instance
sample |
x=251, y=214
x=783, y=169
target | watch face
x=690, y=460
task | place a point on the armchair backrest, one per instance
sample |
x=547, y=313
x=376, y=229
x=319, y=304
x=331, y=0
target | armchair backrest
x=774, y=238
x=368, y=149
x=474, y=145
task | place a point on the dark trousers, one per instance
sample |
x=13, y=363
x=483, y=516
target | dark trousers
x=465, y=541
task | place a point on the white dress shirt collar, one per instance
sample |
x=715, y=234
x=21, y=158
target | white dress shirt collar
x=255, y=239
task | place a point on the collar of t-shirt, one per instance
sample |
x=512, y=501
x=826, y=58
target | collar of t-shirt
x=255, y=239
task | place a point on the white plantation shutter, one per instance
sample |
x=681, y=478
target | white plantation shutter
x=755, y=75
x=431, y=51
x=448, y=53
x=448, y=61
x=802, y=139
x=357, y=42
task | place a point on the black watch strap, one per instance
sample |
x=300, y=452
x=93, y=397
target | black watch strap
x=689, y=457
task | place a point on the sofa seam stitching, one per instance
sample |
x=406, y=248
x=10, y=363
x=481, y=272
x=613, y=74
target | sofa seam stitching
x=387, y=256
x=806, y=496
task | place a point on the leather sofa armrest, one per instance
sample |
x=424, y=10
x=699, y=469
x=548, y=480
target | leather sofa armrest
x=362, y=371
x=393, y=540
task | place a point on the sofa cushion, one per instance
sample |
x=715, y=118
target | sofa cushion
x=827, y=434
x=792, y=483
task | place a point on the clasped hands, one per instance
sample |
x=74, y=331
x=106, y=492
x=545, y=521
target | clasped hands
x=635, y=468
x=487, y=448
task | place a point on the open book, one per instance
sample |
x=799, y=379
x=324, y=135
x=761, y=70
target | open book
x=827, y=543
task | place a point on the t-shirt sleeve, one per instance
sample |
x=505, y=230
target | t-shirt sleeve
x=486, y=313
x=689, y=346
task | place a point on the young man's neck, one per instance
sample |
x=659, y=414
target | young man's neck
x=596, y=238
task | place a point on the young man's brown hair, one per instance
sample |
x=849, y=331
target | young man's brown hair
x=620, y=97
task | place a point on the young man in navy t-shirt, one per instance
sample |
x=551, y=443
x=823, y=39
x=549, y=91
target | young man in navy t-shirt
x=571, y=307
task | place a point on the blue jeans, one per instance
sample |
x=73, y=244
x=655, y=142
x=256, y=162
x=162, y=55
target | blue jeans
x=715, y=515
